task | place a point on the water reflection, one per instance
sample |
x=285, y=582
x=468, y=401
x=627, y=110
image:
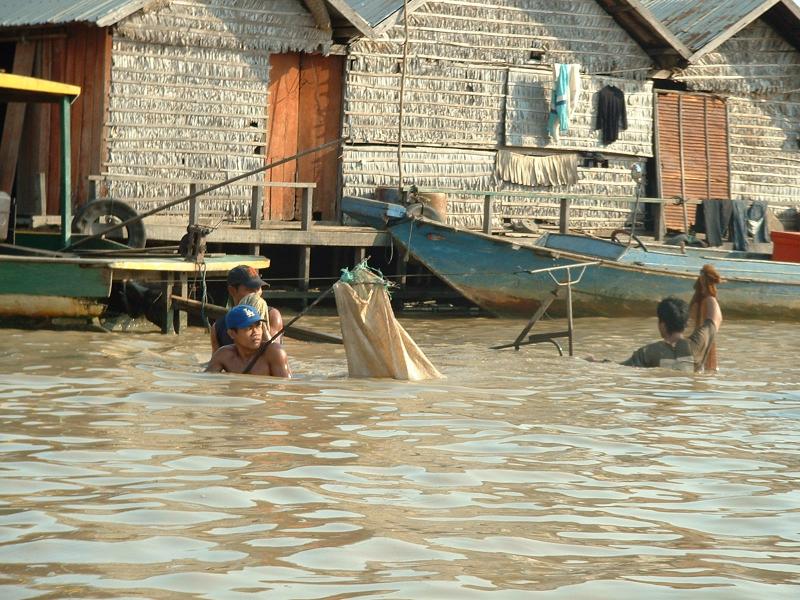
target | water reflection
x=126, y=471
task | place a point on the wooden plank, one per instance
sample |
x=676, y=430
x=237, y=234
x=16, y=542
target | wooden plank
x=32, y=160
x=282, y=110
x=82, y=163
x=59, y=69
x=14, y=120
x=320, y=104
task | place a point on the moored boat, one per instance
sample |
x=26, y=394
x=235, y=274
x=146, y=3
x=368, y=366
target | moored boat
x=494, y=272
x=44, y=275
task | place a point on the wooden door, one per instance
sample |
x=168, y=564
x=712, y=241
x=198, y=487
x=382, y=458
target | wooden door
x=692, y=151
x=304, y=111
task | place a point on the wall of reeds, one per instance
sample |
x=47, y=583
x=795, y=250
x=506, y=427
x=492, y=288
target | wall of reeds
x=478, y=79
x=188, y=96
x=759, y=71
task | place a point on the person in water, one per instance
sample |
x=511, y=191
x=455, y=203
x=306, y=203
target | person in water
x=244, y=327
x=244, y=287
x=674, y=351
x=705, y=286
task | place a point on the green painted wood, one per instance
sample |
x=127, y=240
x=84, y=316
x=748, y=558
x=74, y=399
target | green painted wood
x=51, y=240
x=54, y=279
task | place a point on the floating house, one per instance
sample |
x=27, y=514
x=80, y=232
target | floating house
x=181, y=92
x=710, y=91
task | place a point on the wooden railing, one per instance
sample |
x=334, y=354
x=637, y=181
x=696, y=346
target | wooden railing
x=565, y=204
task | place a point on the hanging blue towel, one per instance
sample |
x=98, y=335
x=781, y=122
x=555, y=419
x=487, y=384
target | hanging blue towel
x=559, y=106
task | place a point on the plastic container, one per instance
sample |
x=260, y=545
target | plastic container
x=786, y=246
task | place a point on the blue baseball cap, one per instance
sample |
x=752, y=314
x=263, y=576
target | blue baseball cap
x=241, y=316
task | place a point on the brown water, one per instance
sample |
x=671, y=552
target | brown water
x=128, y=473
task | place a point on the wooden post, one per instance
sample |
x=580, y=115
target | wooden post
x=305, y=251
x=660, y=227
x=402, y=268
x=563, y=216
x=569, y=310
x=360, y=254
x=306, y=210
x=255, y=215
x=181, y=317
x=66, y=174
x=167, y=284
x=305, y=271
x=192, y=205
x=40, y=194
x=11, y=136
x=685, y=216
x=488, y=209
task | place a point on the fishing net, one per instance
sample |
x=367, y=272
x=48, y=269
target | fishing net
x=375, y=343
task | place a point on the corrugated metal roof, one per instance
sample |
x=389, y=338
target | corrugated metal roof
x=15, y=13
x=697, y=24
x=375, y=12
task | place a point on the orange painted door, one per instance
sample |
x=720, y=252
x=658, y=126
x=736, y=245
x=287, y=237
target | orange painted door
x=304, y=111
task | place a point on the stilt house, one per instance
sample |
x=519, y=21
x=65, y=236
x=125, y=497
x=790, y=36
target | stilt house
x=710, y=92
x=177, y=92
x=194, y=91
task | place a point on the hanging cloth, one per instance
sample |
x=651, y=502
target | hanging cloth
x=558, y=119
x=376, y=345
x=558, y=169
x=757, y=225
x=612, y=116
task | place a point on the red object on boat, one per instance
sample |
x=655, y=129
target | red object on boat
x=786, y=246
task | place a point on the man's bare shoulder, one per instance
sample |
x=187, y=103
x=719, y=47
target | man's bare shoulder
x=223, y=359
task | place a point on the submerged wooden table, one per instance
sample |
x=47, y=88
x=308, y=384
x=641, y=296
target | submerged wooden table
x=47, y=286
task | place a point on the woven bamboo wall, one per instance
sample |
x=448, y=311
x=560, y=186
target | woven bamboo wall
x=528, y=106
x=189, y=95
x=765, y=150
x=367, y=167
x=460, y=54
x=762, y=71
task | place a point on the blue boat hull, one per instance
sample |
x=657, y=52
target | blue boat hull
x=493, y=273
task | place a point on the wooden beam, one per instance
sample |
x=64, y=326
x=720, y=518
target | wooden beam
x=15, y=119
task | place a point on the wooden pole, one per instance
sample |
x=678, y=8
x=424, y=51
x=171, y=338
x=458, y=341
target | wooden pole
x=66, y=174
x=402, y=96
x=563, y=216
x=488, y=209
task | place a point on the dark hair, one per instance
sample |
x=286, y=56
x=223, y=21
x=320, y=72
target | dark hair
x=674, y=313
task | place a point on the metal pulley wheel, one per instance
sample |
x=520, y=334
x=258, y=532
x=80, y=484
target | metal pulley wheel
x=99, y=215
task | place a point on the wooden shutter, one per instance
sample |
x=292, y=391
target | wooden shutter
x=305, y=111
x=692, y=150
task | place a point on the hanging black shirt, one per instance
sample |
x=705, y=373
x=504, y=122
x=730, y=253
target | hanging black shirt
x=611, y=113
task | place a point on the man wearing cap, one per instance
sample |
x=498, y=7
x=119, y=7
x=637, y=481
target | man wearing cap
x=243, y=281
x=244, y=326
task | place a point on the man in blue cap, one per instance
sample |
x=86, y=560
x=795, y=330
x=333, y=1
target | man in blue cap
x=244, y=327
x=243, y=281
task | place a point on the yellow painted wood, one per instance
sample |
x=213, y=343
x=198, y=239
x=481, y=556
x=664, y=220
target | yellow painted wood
x=18, y=88
x=221, y=264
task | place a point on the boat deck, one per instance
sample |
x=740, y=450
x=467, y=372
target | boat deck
x=47, y=286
